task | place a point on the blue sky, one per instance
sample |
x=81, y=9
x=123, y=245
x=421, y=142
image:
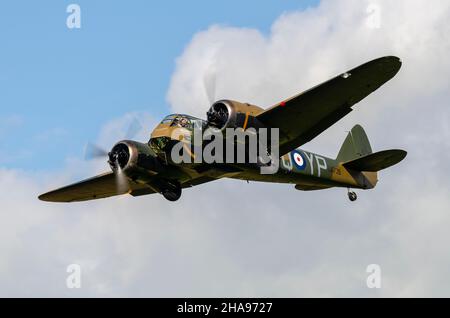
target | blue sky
x=59, y=86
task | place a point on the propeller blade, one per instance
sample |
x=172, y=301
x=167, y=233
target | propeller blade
x=134, y=129
x=122, y=183
x=209, y=85
x=93, y=152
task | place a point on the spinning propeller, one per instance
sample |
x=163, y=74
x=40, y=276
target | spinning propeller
x=118, y=157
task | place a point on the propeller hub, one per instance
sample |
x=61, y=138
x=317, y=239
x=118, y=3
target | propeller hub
x=219, y=114
x=119, y=156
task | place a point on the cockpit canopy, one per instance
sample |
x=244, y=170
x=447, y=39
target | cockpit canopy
x=161, y=136
x=183, y=121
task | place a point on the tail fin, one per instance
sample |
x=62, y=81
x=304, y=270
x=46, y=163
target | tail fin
x=356, y=153
x=355, y=146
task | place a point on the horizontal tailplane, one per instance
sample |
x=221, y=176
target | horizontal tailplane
x=377, y=161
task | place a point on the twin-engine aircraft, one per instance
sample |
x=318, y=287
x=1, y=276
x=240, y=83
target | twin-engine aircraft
x=146, y=168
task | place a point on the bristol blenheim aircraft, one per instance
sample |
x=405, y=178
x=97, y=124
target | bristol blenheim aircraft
x=145, y=168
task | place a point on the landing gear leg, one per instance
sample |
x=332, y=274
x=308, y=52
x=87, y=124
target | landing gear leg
x=352, y=196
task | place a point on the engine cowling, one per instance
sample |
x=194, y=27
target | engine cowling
x=135, y=159
x=231, y=114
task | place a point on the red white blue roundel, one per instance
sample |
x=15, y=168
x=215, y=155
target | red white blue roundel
x=299, y=160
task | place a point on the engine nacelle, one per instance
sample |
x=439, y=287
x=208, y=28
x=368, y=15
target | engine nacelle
x=135, y=159
x=231, y=114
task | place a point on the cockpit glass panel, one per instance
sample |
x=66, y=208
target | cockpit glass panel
x=168, y=120
x=183, y=121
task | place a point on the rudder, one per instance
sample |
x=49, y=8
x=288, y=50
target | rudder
x=356, y=145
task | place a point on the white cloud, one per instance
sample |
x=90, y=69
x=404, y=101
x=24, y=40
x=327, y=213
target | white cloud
x=233, y=239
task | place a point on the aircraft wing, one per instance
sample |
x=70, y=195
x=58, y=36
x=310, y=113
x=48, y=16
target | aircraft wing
x=305, y=116
x=104, y=186
x=99, y=187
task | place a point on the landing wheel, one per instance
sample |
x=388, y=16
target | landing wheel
x=352, y=196
x=172, y=193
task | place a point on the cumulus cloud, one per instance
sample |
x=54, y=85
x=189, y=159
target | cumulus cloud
x=233, y=239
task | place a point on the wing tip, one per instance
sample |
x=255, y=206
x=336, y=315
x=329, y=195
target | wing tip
x=48, y=197
x=392, y=62
x=43, y=197
x=54, y=197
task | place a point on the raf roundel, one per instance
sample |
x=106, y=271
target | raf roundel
x=299, y=160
